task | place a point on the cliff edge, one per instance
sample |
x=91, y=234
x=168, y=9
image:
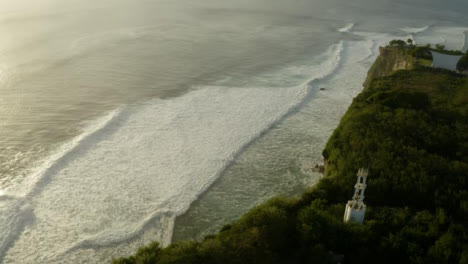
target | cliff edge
x=390, y=60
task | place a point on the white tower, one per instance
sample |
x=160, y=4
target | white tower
x=355, y=208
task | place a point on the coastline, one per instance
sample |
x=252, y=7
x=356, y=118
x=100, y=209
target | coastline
x=90, y=245
x=311, y=226
x=310, y=125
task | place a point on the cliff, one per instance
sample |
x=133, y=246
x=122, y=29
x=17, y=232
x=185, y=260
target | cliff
x=390, y=59
x=409, y=127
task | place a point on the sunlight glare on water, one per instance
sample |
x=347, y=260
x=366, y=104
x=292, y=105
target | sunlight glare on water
x=196, y=93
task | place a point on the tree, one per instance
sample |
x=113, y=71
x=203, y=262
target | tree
x=422, y=52
x=397, y=43
x=440, y=47
x=410, y=42
x=462, y=64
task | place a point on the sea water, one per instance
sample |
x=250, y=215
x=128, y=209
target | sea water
x=125, y=122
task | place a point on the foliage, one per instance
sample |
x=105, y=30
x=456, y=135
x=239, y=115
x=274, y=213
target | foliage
x=440, y=47
x=398, y=43
x=410, y=129
x=448, y=52
x=421, y=52
x=462, y=64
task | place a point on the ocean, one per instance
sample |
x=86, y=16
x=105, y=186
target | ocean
x=124, y=122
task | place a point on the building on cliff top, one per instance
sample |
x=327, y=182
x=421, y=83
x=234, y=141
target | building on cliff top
x=355, y=208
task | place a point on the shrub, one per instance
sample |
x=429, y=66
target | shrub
x=422, y=52
x=440, y=47
x=398, y=43
x=462, y=64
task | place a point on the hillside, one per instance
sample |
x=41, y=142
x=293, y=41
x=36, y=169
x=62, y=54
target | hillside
x=410, y=128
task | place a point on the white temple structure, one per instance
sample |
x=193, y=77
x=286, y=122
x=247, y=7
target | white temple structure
x=355, y=208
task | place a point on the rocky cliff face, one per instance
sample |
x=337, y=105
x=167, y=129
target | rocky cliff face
x=390, y=60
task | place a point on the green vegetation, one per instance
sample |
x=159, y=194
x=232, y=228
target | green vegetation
x=440, y=47
x=448, y=52
x=462, y=64
x=398, y=43
x=397, y=56
x=423, y=62
x=421, y=55
x=410, y=129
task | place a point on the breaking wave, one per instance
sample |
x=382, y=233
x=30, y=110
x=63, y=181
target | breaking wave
x=139, y=167
x=415, y=30
x=346, y=28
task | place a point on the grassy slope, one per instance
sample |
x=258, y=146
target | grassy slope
x=411, y=129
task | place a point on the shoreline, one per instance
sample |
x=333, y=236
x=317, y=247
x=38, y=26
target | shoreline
x=320, y=92
x=297, y=230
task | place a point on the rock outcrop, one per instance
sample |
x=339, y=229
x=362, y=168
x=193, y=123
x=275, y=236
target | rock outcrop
x=390, y=60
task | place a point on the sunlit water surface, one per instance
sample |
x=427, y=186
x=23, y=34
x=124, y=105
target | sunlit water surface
x=123, y=122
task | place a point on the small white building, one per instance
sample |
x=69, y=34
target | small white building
x=355, y=208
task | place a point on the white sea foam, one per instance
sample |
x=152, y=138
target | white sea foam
x=415, y=30
x=132, y=172
x=347, y=28
x=139, y=167
x=371, y=47
x=378, y=40
x=15, y=214
x=14, y=203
